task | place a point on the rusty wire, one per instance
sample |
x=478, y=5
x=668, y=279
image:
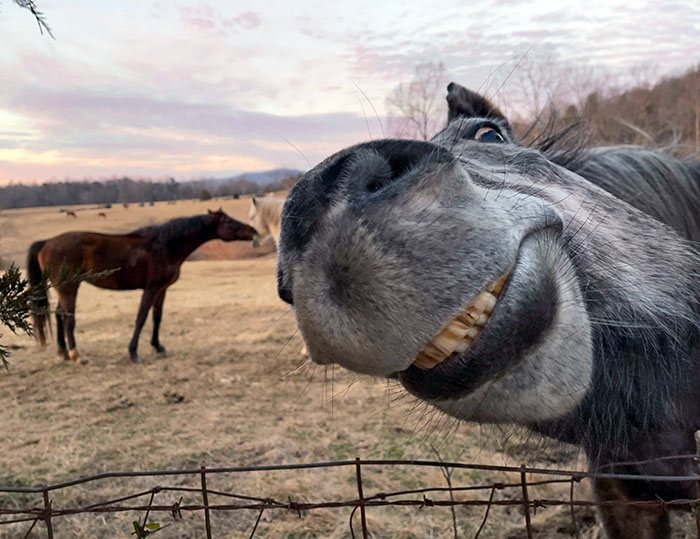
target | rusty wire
x=418, y=498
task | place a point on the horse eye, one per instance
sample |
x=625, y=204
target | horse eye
x=488, y=134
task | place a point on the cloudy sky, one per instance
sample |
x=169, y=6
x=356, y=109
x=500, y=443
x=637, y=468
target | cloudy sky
x=199, y=89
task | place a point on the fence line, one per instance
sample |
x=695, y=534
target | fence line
x=418, y=498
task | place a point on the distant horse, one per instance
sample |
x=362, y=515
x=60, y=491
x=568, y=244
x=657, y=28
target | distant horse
x=264, y=216
x=147, y=258
x=71, y=214
x=102, y=214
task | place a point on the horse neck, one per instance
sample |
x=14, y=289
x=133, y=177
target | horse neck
x=180, y=246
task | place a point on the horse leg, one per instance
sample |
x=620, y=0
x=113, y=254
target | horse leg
x=147, y=299
x=66, y=303
x=60, y=337
x=157, y=315
x=623, y=521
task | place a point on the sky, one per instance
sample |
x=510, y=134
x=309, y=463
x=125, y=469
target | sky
x=191, y=89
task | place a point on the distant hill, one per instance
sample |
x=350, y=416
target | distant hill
x=261, y=178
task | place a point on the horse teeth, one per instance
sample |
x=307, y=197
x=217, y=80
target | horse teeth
x=485, y=302
x=434, y=353
x=446, y=342
x=455, y=329
x=459, y=334
x=481, y=320
x=499, y=285
x=468, y=317
x=463, y=347
x=473, y=332
x=425, y=363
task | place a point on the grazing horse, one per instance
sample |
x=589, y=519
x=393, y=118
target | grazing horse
x=147, y=258
x=102, y=214
x=264, y=216
x=553, y=287
x=70, y=213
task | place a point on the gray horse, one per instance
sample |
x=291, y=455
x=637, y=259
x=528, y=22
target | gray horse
x=549, y=287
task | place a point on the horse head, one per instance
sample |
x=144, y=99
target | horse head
x=264, y=215
x=228, y=229
x=487, y=278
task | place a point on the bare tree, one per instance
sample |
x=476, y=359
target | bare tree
x=539, y=83
x=417, y=108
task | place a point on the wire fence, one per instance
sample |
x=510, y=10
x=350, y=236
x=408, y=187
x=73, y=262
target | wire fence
x=45, y=512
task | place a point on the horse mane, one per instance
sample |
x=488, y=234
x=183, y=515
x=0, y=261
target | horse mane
x=657, y=183
x=660, y=185
x=655, y=340
x=175, y=228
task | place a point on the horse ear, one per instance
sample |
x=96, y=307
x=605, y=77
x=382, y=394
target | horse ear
x=220, y=210
x=210, y=212
x=255, y=202
x=463, y=102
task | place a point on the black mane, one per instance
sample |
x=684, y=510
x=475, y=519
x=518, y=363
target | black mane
x=662, y=186
x=174, y=229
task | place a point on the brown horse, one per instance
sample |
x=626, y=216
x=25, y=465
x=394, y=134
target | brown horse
x=147, y=258
x=70, y=213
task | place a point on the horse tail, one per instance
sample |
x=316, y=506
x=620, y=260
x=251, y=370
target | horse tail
x=39, y=302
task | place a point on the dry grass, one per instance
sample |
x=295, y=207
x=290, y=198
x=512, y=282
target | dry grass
x=19, y=228
x=231, y=392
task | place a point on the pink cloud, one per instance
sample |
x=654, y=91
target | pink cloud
x=248, y=20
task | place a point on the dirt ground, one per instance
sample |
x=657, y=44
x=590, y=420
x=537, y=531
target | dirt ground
x=233, y=391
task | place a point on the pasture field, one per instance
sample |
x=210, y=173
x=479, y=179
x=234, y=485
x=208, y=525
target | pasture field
x=232, y=391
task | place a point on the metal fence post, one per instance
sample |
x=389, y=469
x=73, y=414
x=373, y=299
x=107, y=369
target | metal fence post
x=358, y=473
x=696, y=508
x=526, y=502
x=47, y=514
x=205, y=498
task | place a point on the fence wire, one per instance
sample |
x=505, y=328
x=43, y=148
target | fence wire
x=47, y=513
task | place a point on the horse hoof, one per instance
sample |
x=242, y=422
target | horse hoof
x=161, y=351
x=63, y=353
x=75, y=356
x=135, y=359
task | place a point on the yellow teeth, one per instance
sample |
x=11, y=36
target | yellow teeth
x=460, y=333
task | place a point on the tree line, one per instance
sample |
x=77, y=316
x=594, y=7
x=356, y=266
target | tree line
x=127, y=190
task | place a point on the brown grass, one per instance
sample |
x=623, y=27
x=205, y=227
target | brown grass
x=234, y=367
x=19, y=228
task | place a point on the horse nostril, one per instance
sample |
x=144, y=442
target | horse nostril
x=379, y=164
x=392, y=170
x=376, y=171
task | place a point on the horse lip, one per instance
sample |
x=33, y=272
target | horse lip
x=462, y=374
x=465, y=328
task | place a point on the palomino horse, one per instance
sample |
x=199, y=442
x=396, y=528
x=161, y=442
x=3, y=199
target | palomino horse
x=264, y=216
x=147, y=258
x=555, y=288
